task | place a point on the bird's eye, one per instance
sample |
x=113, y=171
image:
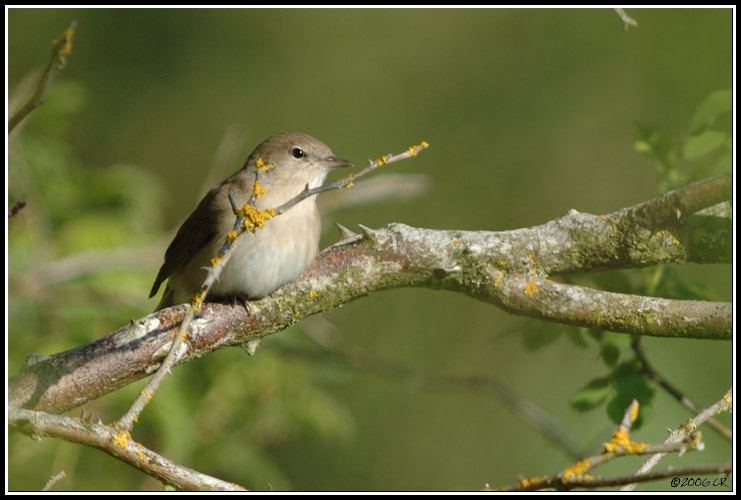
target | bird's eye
x=297, y=153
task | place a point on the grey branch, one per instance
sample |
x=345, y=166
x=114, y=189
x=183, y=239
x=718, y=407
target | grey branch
x=509, y=269
x=681, y=433
x=117, y=443
x=61, y=48
x=243, y=223
x=578, y=476
x=628, y=22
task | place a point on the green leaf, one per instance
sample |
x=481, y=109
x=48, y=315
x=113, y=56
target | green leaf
x=610, y=354
x=715, y=104
x=591, y=396
x=653, y=145
x=697, y=146
x=611, y=345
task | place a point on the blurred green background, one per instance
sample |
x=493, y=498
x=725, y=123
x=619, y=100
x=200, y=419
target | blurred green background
x=529, y=113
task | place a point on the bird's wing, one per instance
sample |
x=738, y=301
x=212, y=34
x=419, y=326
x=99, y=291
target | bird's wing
x=195, y=233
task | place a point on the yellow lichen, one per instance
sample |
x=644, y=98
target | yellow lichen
x=261, y=165
x=621, y=441
x=258, y=190
x=122, y=439
x=531, y=288
x=382, y=160
x=217, y=259
x=197, y=300
x=254, y=218
x=729, y=400
x=528, y=482
x=634, y=411
x=66, y=40
x=576, y=470
x=414, y=150
x=498, y=280
x=313, y=294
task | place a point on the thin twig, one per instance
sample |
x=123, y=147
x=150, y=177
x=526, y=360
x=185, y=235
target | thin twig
x=348, y=180
x=684, y=430
x=525, y=409
x=628, y=22
x=248, y=219
x=577, y=476
x=112, y=440
x=595, y=482
x=683, y=399
x=61, y=48
x=17, y=207
x=54, y=480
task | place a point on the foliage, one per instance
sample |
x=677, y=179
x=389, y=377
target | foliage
x=77, y=208
x=703, y=152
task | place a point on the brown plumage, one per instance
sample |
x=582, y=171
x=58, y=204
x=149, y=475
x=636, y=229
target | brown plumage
x=274, y=255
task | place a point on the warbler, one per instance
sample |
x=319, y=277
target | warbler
x=274, y=255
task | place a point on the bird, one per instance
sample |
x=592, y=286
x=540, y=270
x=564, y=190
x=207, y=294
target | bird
x=274, y=255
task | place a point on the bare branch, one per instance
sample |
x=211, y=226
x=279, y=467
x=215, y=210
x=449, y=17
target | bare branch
x=676, y=393
x=595, y=482
x=616, y=312
x=248, y=219
x=17, y=207
x=417, y=381
x=117, y=443
x=620, y=445
x=61, y=48
x=54, y=480
x=681, y=433
x=507, y=269
x=628, y=22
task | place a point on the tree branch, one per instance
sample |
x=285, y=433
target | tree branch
x=248, y=219
x=116, y=443
x=60, y=49
x=676, y=393
x=418, y=381
x=683, y=431
x=508, y=269
x=620, y=445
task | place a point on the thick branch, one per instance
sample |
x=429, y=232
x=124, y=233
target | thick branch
x=508, y=269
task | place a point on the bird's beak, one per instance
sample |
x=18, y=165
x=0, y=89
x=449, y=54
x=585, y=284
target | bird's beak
x=335, y=161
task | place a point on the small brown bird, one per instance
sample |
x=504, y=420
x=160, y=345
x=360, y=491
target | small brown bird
x=274, y=255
